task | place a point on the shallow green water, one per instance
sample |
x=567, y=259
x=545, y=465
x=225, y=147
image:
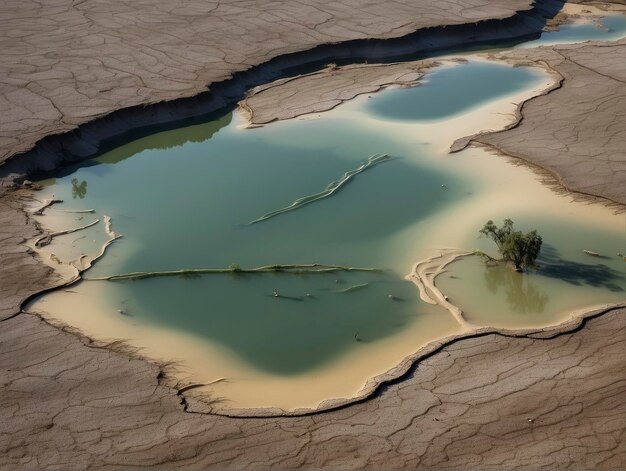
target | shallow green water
x=449, y=91
x=184, y=198
x=611, y=28
x=187, y=206
x=566, y=278
x=458, y=90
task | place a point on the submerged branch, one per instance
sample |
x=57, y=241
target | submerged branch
x=350, y=289
x=46, y=204
x=313, y=268
x=46, y=239
x=489, y=260
x=77, y=211
x=330, y=189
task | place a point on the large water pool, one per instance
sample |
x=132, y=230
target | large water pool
x=186, y=199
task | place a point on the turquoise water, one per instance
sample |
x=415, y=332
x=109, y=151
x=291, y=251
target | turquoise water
x=185, y=198
x=449, y=91
x=188, y=207
x=611, y=28
x=458, y=91
x=215, y=188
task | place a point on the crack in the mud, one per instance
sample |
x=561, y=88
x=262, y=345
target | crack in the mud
x=54, y=151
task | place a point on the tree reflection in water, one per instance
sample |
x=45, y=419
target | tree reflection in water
x=79, y=189
x=522, y=294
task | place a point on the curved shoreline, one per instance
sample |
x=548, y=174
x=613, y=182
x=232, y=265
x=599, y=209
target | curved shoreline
x=92, y=138
x=197, y=404
x=553, y=177
x=371, y=386
x=411, y=361
x=423, y=274
x=424, y=279
x=370, y=383
x=546, y=423
x=520, y=57
x=376, y=384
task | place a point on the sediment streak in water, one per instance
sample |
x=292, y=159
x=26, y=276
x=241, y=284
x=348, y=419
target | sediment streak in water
x=329, y=190
x=423, y=275
x=293, y=269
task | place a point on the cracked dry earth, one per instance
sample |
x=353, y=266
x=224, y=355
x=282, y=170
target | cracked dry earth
x=66, y=403
x=67, y=62
x=576, y=131
x=326, y=89
x=21, y=272
x=490, y=402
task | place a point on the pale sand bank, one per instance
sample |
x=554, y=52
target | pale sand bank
x=562, y=133
x=355, y=373
x=588, y=12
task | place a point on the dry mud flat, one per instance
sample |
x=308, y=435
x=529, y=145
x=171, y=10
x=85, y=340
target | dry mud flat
x=65, y=63
x=488, y=402
x=577, y=130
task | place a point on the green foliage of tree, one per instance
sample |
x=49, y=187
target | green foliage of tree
x=514, y=246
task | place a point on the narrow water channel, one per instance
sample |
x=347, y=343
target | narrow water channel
x=188, y=198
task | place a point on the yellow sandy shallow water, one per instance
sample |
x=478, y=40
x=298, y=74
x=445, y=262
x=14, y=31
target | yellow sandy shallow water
x=512, y=189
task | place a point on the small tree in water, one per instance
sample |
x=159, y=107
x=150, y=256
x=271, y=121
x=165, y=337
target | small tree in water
x=514, y=246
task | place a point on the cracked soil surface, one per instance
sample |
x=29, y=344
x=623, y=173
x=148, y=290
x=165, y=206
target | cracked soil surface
x=576, y=131
x=488, y=402
x=325, y=89
x=68, y=62
x=577, y=137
